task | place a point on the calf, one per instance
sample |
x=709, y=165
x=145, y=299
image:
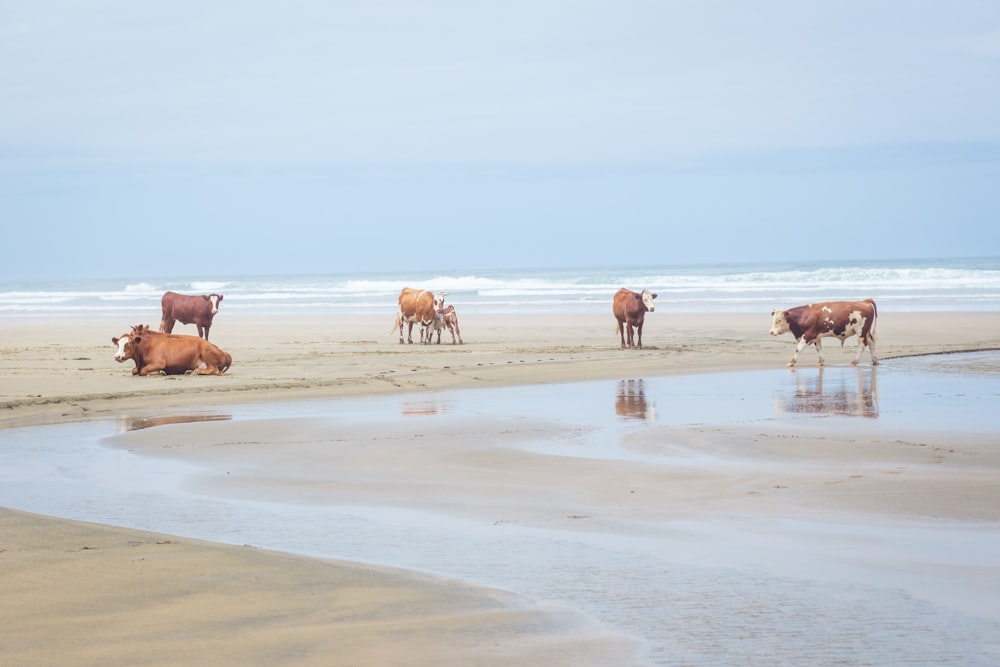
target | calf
x=630, y=312
x=197, y=310
x=840, y=319
x=156, y=353
x=447, y=319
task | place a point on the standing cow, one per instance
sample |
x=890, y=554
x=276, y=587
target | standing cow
x=840, y=319
x=198, y=310
x=630, y=311
x=418, y=306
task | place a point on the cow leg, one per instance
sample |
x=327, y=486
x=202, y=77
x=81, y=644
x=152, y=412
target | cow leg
x=799, y=346
x=638, y=331
x=861, y=349
x=409, y=333
x=167, y=325
x=619, y=327
x=819, y=348
x=153, y=369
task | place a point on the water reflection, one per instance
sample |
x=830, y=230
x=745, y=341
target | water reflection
x=139, y=423
x=631, y=401
x=850, y=392
x=431, y=406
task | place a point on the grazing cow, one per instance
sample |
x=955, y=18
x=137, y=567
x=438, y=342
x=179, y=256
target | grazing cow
x=447, y=319
x=418, y=306
x=630, y=311
x=840, y=319
x=197, y=310
x=157, y=353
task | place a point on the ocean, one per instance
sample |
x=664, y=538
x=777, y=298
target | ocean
x=966, y=284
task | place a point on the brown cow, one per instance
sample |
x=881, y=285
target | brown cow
x=840, y=319
x=447, y=319
x=197, y=310
x=630, y=311
x=157, y=353
x=417, y=306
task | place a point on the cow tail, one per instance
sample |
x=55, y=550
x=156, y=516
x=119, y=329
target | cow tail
x=873, y=334
x=618, y=326
x=396, y=324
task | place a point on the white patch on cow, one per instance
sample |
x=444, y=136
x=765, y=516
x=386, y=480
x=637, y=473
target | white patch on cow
x=120, y=352
x=779, y=323
x=647, y=300
x=214, y=300
x=827, y=309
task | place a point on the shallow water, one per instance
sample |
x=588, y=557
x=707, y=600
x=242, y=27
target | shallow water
x=716, y=590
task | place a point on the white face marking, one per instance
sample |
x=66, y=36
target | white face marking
x=120, y=352
x=647, y=300
x=214, y=300
x=439, y=300
x=779, y=323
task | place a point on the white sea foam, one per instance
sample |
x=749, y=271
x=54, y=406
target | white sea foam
x=952, y=284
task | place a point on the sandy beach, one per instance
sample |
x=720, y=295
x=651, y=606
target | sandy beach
x=95, y=594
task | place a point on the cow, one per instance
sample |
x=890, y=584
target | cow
x=417, y=306
x=840, y=319
x=630, y=311
x=156, y=353
x=197, y=310
x=447, y=319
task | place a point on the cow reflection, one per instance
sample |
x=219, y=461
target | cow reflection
x=631, y=401
x=426, y=407
x=851, y=393
x=139, y=423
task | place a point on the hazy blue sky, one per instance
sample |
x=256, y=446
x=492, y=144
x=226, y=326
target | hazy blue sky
x=166, y=138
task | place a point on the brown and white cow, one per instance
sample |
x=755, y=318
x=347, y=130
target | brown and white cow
x=447, y=319
x=418, y=306
x=156, y=353
x=197, y=310
x=840, y=319
x=630, y=311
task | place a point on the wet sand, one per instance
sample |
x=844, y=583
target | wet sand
x=300, y=613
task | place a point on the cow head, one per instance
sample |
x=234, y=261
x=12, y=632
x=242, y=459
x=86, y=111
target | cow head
x=647, y=300
x=126, y=346
x=439, y=300
x=779, y=322
x=214, y=300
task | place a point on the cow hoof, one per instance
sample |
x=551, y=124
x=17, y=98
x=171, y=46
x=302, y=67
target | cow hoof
x=790, y=364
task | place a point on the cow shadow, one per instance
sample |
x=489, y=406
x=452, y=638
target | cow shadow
x=849, y=392
x=631, y=403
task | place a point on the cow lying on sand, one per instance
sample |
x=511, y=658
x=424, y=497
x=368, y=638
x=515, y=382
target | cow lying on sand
x=446, y=319
x=418, y=306
x=840, y=319
x=197, y=310
x=630, y=312
x=158, y=353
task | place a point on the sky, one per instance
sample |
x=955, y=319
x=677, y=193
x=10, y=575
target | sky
x=244, y=138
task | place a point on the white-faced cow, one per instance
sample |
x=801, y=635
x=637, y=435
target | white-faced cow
x=840, y=319
x=418, y=306
x=197, y=310
x=156, y=353
x=447, y=319
x=630, y=312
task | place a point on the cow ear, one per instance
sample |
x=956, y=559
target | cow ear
x=220, y=298
x=654, y=295
x=114, y=341
x=136, y=340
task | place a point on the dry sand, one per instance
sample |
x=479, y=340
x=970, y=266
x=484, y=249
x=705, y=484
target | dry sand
x=91, y=594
